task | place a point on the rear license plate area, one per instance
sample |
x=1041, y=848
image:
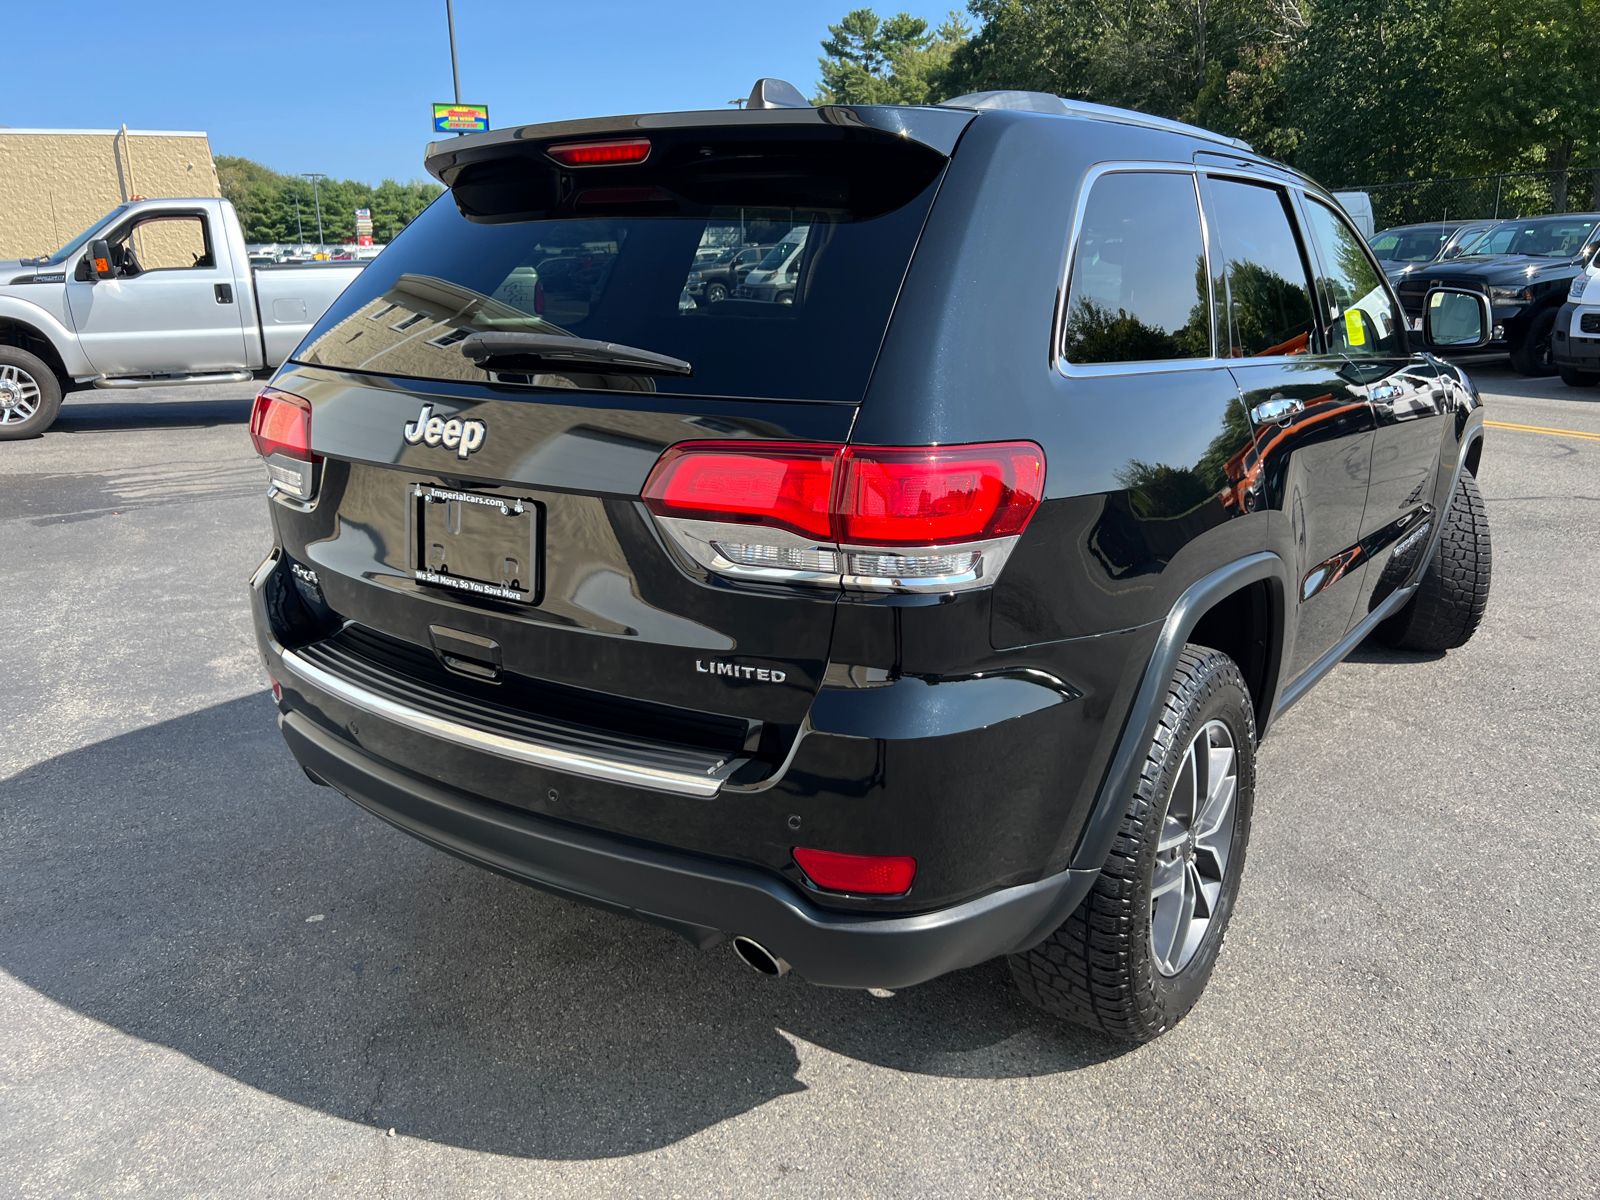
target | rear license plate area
x=477, y=545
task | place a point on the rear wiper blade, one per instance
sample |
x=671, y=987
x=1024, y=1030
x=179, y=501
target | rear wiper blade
x=513, y=349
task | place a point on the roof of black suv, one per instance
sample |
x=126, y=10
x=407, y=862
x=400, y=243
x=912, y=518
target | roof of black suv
x=775, y=103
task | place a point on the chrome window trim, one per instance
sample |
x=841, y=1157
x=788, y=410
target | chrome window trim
x=1063, y=293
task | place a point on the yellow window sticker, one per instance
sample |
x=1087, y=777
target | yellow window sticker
x=1355, y=329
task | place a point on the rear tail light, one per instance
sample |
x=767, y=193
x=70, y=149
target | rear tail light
x=865, y=874
x=614, y=152
x=280, y=427
x=926, y=518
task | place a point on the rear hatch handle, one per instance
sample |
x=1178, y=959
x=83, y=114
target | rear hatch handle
x=523, y=350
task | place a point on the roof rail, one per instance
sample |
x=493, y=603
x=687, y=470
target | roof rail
x=1044, y=102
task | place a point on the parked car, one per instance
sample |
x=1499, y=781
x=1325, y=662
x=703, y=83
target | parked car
x=931, y=617
x=1407, y=248
x=1358, y=206
x=1525, y=268
x=715, y=280
x=155, y=293
x=1575, y=339
x=774, y=278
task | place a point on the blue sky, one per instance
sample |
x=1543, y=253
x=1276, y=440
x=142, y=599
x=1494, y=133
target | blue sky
x=345, y=88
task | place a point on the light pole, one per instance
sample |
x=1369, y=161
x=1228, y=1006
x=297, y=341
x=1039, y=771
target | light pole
x=316, y=177
x=455, y=68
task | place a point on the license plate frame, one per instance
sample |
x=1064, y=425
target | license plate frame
x=475, y=543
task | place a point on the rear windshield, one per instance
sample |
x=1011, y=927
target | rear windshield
x=771, y=267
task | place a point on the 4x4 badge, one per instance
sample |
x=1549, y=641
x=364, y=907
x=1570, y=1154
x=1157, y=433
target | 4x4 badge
x=453, y=434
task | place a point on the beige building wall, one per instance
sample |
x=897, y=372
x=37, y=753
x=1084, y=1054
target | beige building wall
x=55, y=183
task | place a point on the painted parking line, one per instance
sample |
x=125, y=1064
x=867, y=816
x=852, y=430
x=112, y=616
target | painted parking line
x=1592, y=437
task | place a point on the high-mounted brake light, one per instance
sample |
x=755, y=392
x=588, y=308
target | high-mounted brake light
x=865, y=874
x=600, y=154
x=845, y=514
x=280, y=426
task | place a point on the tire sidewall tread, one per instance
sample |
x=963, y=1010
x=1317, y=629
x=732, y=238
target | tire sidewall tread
x=1098, y=969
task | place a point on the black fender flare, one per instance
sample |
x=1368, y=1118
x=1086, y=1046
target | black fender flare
x=1100, y=831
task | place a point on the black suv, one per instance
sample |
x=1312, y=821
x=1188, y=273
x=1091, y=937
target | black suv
x=1525, y=268
x=930, y=617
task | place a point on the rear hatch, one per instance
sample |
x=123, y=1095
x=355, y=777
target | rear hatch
x=477, y=516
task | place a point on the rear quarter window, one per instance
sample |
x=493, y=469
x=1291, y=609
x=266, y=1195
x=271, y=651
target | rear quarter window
x=1138, y=290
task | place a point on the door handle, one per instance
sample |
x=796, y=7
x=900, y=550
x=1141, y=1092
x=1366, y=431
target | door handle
x=1276, y=408
x=224, y=292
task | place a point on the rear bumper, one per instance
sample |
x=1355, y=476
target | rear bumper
x=701, y=899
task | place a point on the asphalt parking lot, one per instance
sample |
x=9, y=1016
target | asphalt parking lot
x=216, y=978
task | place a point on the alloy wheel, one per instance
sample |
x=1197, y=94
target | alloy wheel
x=1196, y=844
x=19, y=395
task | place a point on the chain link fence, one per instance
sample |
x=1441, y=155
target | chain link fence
x=1483, y=197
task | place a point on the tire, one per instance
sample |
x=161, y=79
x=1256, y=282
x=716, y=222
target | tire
x=1115, y=965
x=1533, y=355
x=1449, y=603
x=30, y=394
x=715, y=293
x=1573, y=377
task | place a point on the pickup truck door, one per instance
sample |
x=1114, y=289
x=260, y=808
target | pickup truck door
x=173, y=305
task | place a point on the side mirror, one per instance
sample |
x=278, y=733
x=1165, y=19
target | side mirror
x=1456, y=319
x=100, y=259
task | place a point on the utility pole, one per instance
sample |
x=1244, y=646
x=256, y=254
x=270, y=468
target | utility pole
x=455, y=68
x=316, y=177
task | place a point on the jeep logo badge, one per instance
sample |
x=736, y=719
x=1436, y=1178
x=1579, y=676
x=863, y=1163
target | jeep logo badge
x=461, y=436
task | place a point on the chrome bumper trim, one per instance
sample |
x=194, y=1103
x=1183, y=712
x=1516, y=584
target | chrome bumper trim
x=660, y=779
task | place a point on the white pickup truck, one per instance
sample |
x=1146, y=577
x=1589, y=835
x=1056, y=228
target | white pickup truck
x=155, y=293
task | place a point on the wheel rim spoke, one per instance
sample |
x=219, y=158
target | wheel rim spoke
x=23, y=393
x=1194, y=847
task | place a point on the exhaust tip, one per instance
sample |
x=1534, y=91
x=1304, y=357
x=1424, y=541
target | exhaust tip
x=759, y=957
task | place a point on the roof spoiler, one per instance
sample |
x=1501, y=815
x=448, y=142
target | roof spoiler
x=772, y=102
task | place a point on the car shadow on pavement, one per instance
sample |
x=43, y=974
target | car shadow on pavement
x=187, y=885
x=83, y=416
x=1374, y=651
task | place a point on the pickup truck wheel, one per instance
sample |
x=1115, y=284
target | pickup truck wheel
x=716, y=293
x=1454, y=591
x=1533, y=355
x=1135, y=956
x=30, y=394
x=1573, y=377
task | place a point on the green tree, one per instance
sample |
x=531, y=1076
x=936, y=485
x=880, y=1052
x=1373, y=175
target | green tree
x=898, y=60
x=266, y=202
x=1525, y=84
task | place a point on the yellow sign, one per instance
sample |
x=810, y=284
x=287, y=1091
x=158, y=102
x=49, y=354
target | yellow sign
x=460, y=118
x=1355, y=329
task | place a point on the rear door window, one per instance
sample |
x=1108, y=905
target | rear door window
x=816, y=235
x=1269, y=295
x=1138, y=290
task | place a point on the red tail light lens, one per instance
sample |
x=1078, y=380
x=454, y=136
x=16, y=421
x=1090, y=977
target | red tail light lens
x=786, y=484
x=938, y=495
x=867, y=874
x=600, y=154
x=856, y=495
x=280, y=423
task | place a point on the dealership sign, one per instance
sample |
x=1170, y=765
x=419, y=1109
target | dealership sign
x=460, y=118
